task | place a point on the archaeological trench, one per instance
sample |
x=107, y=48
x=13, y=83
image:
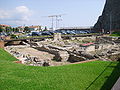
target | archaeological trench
x=62, y=51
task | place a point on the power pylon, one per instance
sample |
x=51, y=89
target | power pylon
x=56, y=19
x=58, y=23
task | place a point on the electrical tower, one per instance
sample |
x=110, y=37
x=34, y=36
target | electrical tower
x=58, y=23
x=56, y=20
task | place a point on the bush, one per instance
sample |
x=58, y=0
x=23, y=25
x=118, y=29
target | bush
x=13, y=36
x=115, y=34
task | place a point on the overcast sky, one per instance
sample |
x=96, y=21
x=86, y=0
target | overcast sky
x=34, y=12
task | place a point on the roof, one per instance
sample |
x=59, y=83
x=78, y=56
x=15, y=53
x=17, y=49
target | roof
x=4, y=25
x=33, y=26
x=87, y=44
x=87, y=27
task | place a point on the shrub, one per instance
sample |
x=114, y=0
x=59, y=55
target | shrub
x=13, y=36
x=115, y=34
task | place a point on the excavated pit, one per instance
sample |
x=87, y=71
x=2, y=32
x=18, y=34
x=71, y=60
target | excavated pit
x=61, y=52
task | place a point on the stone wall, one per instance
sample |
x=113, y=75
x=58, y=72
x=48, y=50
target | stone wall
x=60, y=55
x=114, y=57
x=13, y=43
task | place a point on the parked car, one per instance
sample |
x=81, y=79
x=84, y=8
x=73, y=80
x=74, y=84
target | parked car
x=36, y=33
x=46, y=33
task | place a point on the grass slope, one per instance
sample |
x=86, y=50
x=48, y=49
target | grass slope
x=86, y=76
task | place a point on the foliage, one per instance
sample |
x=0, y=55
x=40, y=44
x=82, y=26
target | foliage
x=13, y=29
x=1, y=29
x=26, y=29
x=8, y=29
x=115, y=34
x=16, y=30
x=91, y=75
x=13, y=36
x=45, y=28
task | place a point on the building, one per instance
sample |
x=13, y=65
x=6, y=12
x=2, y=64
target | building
x=21, y=28
x=3, y=25
x=35, y=28
x=31, y=28
x=89, y=28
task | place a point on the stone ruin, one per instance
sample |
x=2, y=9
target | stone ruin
x=104, y=48
x=108, y=48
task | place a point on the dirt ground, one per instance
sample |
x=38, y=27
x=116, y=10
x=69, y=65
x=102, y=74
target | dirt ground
x=42, y=56
x=33, y=52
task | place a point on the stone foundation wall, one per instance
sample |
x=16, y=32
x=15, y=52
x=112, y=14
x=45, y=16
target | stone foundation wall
x=114, y=57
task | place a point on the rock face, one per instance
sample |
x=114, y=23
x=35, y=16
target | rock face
x=110, y=18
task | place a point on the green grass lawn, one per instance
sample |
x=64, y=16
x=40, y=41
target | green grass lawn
x=86, y=76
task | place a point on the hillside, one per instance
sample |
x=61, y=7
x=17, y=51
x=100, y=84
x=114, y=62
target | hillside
x=110, y=18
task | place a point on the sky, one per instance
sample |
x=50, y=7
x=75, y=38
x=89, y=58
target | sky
x=75, y=13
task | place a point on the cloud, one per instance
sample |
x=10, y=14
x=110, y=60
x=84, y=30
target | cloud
x=23, y=13
x=19, y=15
x=22, y=9
x=4, y=14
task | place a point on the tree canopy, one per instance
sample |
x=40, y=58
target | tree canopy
x=26, y=29
x=1, y=29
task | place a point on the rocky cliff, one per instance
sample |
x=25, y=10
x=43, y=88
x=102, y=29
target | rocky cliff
x=110, y=18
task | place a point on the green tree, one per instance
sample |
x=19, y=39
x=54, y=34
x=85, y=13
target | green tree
x=13, y=29
x=16, y=30
x=13, y=36
x=8, y=29
x=26, y=29
x=1, y=29
x=45, y=28
x=40, y=29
